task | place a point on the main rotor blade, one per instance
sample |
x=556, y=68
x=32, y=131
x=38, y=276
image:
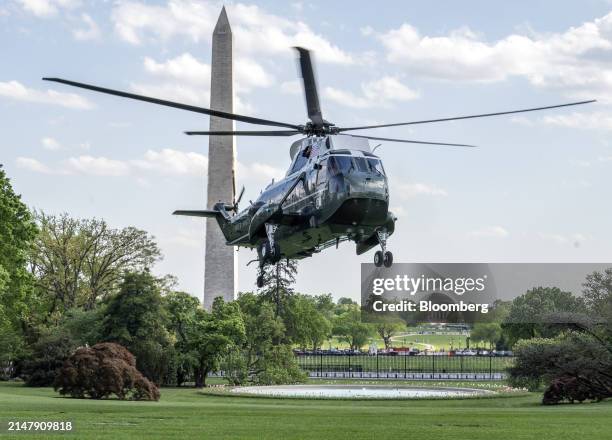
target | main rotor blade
x=191, y=108
x=244, y=133
x=484, y=115
x=310, y=87
x=409, y=141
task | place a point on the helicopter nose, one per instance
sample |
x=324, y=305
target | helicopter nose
x=367, y=186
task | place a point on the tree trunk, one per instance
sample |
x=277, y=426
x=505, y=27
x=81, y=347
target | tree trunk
x=199, y=377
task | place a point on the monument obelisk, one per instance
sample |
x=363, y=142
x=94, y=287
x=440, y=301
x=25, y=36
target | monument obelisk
x=220, y=259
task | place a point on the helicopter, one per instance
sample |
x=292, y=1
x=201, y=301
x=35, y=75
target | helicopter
x=335, y=190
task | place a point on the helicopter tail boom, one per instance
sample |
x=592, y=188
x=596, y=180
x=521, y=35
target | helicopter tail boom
x=198, y=213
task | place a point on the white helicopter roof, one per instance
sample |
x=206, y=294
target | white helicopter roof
x=336, y=143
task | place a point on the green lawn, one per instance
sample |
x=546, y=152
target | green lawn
x=187, y=413
x=409, y=339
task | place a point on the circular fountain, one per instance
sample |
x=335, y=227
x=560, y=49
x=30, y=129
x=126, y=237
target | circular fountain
x=359, y=391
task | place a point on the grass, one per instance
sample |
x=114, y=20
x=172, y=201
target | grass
x=411, y=338
x=188, y=413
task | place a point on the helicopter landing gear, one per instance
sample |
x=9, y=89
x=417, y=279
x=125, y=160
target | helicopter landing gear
x=383, y=257
x=269, y=252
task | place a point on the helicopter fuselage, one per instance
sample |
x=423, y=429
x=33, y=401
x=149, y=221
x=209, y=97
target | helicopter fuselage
x=329, y=195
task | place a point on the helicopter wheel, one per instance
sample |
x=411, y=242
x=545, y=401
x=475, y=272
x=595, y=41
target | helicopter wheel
x=378, y=258
x=388, y=259
x=260, y=281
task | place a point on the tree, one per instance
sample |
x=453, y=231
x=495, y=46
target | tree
x=387, y=327
x=262, y=329
x=53, y=344
x=489, y=332
x=136, y=319
x=598, y=298
x=17, y=230
x=260, y=359
x=597, y=291
x=527, y=316
x=211, y=335
x=77, y=263
x=47, y=356
x=101, y=371
x=278, y=279
x=325, y=305
x=305, y=324
x=181, y=309
x=349, y=328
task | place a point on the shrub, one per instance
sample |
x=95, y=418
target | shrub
x=572, y=366
x=571, y=389
x=101, y=371
x=279, y=366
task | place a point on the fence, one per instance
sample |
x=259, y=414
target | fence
x=423, y=367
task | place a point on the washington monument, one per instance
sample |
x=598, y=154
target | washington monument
x=220, y=260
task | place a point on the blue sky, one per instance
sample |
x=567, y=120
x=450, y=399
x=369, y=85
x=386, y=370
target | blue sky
x=537, y=189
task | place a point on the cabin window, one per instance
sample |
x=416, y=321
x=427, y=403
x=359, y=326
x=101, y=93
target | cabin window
x=300, y=161
x=298, y=193
x=376, y=166
x=340, y=165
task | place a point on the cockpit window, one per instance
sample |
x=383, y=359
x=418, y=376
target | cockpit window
x=376, y=166
x=362, y=164
x=340, y=165
x=299, y=163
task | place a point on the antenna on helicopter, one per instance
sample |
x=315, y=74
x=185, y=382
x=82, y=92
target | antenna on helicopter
x=374, y=149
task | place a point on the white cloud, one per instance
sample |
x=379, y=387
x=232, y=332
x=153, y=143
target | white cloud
x=96, y=166
x=165, y=162
x=174, y=91
x=16, y=90
x=255, y=31
x=89, y=31
x=376, y=93
x=47, y=8
x=345, y=98
x=186, y=93
x=49, y=143
x=409, y=190
x=173, y=162
x=491, y=231
x=576, y=61
x=186, y=68
x=33, y=165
